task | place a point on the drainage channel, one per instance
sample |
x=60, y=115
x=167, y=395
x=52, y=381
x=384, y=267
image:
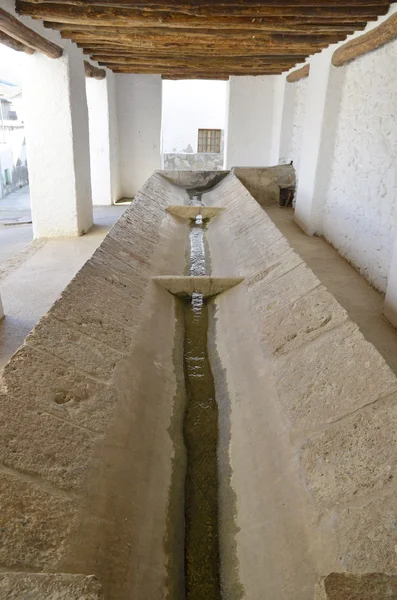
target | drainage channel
x=200, y=428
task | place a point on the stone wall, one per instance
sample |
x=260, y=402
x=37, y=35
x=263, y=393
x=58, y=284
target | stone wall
x=201, y=161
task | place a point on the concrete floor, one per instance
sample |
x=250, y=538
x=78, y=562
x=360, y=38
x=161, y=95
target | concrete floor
x=34, y=273
x=361, y=301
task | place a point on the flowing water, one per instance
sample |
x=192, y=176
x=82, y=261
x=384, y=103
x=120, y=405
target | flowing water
x=202, y=579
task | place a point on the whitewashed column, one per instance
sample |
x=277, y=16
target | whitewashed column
x=250, y=121
x=390, y=308
x=323, y=101
x=278, y=119
x=101, y=98
x=139, y=128
x=56, y=119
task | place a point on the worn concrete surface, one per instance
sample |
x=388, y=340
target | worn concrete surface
x=33, y=274
x=91, y=453
x=361, y=301
x=311, y=407
x=38, y=586
x=199, y=180
x=208, y=286
x=348, y=586
x=87, y=489
x=191, y=212
x=265, y=183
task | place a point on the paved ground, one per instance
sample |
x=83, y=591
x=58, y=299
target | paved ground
x=362, y=302
x=33, y=274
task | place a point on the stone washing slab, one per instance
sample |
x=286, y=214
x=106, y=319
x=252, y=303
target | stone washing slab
x=40, y=586
x=208, y=286
x=349, y=586
x=192, y=212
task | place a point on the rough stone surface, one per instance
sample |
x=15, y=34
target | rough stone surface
x=203, y=161
x=85, y=410
x=38, y=586
x=310, y=408
x=349, y=586
x=191, y=212
x=265, y=183
x=208, y=286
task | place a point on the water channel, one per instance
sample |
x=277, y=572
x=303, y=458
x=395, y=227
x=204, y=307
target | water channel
x=202, y=578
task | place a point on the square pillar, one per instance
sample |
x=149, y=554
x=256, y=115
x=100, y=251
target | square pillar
x=57, y=141
x=250, y=121
x=390, y=307
x=279, y=95
x=324, y=91
x=139, y=126
x=102, y=116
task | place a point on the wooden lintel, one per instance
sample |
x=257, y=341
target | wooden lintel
x=299, y=74
x=381, y=35
x=26, y=36
x=6, y=40
x=94, y=72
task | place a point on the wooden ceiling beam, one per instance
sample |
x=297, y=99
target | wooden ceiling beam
x=176, y=4
x=123, y=18
x=192, y=59
x=365, y=12
x=6, y=40
x=93, y=72
x=179, y=36
x=381, y=35
x=26, y=36
x=299, y=74
x=186, y=38
x=227, y=67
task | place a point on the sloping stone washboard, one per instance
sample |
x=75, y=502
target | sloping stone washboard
x=312, y=413
x=85, y=407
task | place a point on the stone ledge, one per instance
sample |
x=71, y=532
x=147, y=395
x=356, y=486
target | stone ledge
x=43, y=586
x=208, y=286
x=348, y=586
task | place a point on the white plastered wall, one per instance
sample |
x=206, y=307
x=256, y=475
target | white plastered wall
x=361, y=202
x=294, y=110
x=250, y=121
x=139, y=118
x=103, y=139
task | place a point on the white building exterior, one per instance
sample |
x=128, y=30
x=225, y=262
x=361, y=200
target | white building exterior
x=189, y=106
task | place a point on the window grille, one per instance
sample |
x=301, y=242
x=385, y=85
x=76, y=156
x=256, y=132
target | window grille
x=209, y=140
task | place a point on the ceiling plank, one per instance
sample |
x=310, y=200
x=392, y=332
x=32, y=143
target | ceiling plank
x=205, y=37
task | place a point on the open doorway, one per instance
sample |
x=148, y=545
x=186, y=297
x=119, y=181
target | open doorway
x=193, y=124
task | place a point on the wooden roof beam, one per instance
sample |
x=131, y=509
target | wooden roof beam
x=381, y=35
x=6, y=40
x=228, y=9
x=299, y=74
x=108, y=16
x=263, y=3
x=26, y=36
x=93, y=72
